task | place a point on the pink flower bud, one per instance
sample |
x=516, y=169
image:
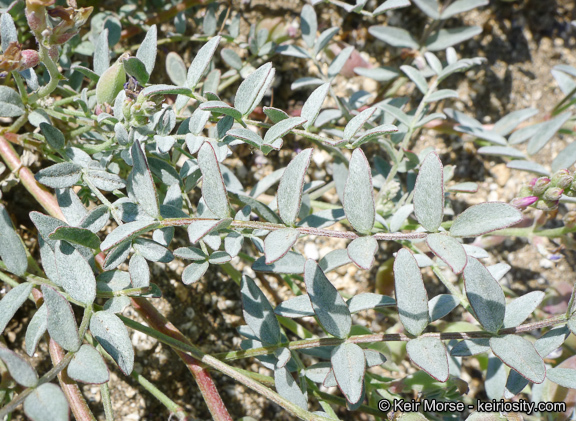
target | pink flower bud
x=553, y=193
x=541, y=185
x=562, y=179
x=524, y=202
x=30, y=58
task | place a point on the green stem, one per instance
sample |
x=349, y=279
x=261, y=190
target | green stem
x=172, y=406
x=53, y=71
x=106, y=401
x=71, y=99
x=21, y=87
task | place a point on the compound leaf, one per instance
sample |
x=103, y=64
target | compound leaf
x=47, y=403
x=20, y=369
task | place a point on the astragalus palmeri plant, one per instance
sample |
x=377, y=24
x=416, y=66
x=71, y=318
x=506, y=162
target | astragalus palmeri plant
x=135, y=165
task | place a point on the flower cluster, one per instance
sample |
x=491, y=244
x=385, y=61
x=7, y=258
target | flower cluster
x=544, y=193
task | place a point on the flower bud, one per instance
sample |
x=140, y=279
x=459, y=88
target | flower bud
x=553, y=193
x=30, y=58
x=562, y=179
x=524, y=202
x=540, y=186
x=547, y=205
x=525, y=191
x=110, y=84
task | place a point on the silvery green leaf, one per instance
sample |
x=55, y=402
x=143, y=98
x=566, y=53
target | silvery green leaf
x=449, y=250
x=9, y=33
x=374, y=133
x=198, y=121
x=429, y=7
x=466, y=187
x=201, y=62
x=330, y=380
x=507, y=124
x=113, y=280
x=441, y=94
x=514, y=385
x=292, y=51
x=397, y=113
x=546, y=132
x=139, y=271
x=324, y=39
x=330, y=308
x=10, y=103
x=211, y=83
x=48, y=260
x=193, y=272
x=87, y=366
x=278, y=243
x=290, y=187
x=46, y=225
x=135, y=67
x=275, y=115
x=47, y=403
x=12, y=250
x=396, y=37
x=173, y=197
x=313, y=104
x=75, y=273
x=339, y=62
x=520, y=308
x=222, y=108
x=127, y=232
x=257, y=207
x=288, y=388
x=280, y=129
x=213, y=188
x=305, y=81
x=147, y=51
x=485, y=295
x=62, y=325
x=71, y=205
x=429, y=193
x=358, y=122
x=470, y=347
x=445, y=38
x=190, y=253
x=247, y=136
x=317, y=372
x=525, y=133
x=231, y=58
x=259, y=314
x=529, y=166
x=61, y=175
x=461, y=6
x=164, y=171
x=349, y=365
x=358, y=200
x=117, y=256
x=198, y=229
x=252, y=89
x=20, y=369
x=75, y=235
x=117, y=304
x=362, y=251
x=434, y=63
x=152, y=251
x=565, y=377
x=551, y=340
x=292, y=263
x=308, y=25
x=265, y=183
x=373, y=358
x=411, y=296
x=323, y=218
x=36, y=329
x=53, y=136
x=380, y=74
x=165, y=90
x=495, y=378
x=368, y=300
x=233, y=243
x=415, y=76
x=483, y=218
x=101, y=53
x=430, y=117
x=176, y=68
x=390, y=5
x=111, y=333
x=219, y=258
x=441, y=305
x=519, y=353
x=474, y=251
x=400, y=216
x=299, y=306
x=142, y=183
x=430, y=355
x=565, y=158
x=334, y=259
x=505, y=151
